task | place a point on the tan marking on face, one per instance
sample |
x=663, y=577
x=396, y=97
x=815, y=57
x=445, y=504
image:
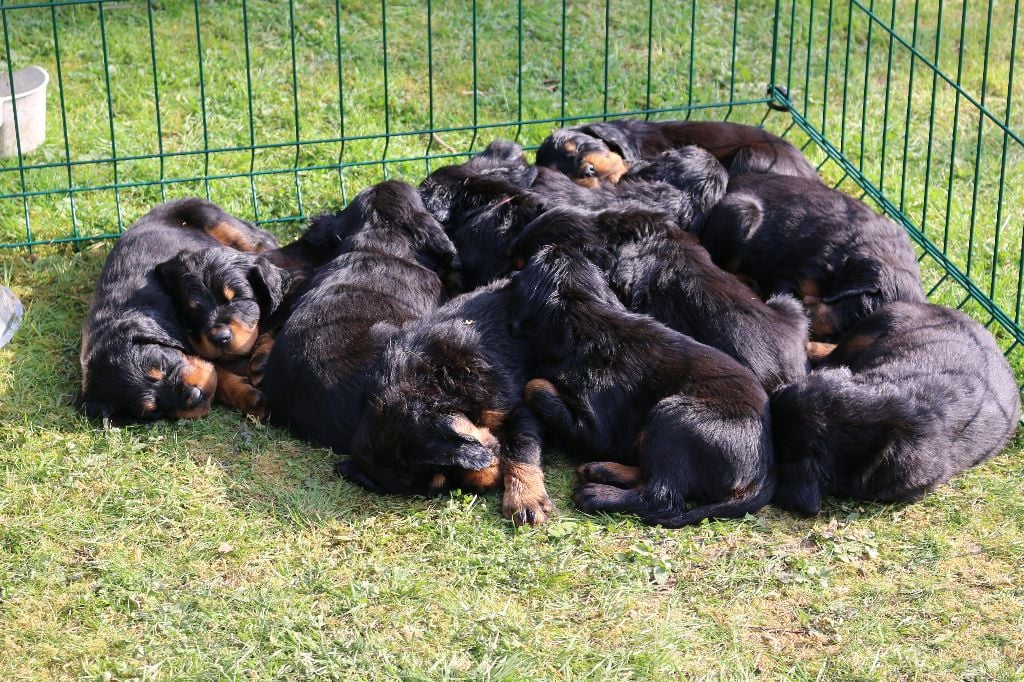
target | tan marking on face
x=236, y=391
x=205, y=348
x=194, y=413
x=525, y=492
x=229, y=293
x=149, y=406
x=201, y=374
x=155, y=373
x=461, y=425
x=609, y=165
x=822, y=321
x=818, y=351
x=569, y=147
x=589, y=183
x=538, y=385
x=243, y=338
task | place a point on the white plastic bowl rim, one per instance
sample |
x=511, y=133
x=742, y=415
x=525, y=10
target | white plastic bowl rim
x=25, y=93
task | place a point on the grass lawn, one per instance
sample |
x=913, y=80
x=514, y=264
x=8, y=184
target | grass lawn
x=222, y=548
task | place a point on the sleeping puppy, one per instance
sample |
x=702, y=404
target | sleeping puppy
x=224, y=299
x=913, y=395
x=796, y=236
x=445, y=410
x=481, y=214
x=388, y=271
x=599, y=152
x=671, y=422
x=137, y=361
x=658, y=269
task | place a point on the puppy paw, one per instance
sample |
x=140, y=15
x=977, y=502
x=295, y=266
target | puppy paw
x=239, y=393
x=525, y=500
x=254, y=403
x=593, y=497
x=610, y=473
x=258, y=359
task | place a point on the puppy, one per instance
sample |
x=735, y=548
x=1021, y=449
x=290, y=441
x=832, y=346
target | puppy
x=910, y=397
x=670, y=421
x=137, y=361
x=599, y=152
x=223, y=299
x=658, y=269
x=798, y=237
x=388, y=271
x=445, y=409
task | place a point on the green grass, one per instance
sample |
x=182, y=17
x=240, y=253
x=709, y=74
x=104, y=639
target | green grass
x=224, y=549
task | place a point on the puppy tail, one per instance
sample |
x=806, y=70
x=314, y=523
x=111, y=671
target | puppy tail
x=750, y=500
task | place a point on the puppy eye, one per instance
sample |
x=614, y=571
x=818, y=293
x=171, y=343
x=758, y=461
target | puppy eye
x=589, y=171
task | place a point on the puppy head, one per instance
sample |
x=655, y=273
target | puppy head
x=857, y=289
x=694, y=171
x=136, y=371
x=559, y=299
x=565, y=227
x=221, y=295
x=505, y=161
x=394, y=220
x=423, y=421
x=584, y=157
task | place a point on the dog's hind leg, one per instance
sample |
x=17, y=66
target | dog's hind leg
x=610, y=473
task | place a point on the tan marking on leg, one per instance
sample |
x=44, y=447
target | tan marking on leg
x=234, y=236
x=482, y=480
x=858, y=343
x=236, y=391
x=260, y=354
x=818, y=350
x=612, y=473
x=492, y=419
x=525, y=500
x=538, y=385
x=461, y=425
x=822, y=321
x=438, y=484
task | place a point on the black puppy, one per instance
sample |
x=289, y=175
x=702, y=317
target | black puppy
x=137, y=362
x=658, y=269
x=677, y=422
x=913, y=395
x=387, y=272
x=446, y=410
x=607, y=151
x=796, y=236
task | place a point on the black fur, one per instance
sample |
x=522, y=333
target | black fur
x=913, y=395
x=796, y=236
x=446, y=398
x=388, y=272
x=583, y=151
x=625, y=388
x=137, y=362
x=658, y=269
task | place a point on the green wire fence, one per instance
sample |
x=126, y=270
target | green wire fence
x=278, y=110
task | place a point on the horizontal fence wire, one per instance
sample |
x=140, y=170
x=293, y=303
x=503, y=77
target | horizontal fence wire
x=281, y=109
x=914, y=104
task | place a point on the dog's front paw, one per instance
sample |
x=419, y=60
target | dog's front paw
x=258, y=359
x=525, y=500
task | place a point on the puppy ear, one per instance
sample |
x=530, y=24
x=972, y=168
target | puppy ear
x=269, y=282
x=436, y=248
x=473, y=446
x=150, y=330
x=618, y=140
x=171, y=272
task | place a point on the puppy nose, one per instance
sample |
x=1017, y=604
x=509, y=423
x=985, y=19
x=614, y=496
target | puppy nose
x=194, y=396
x=589, y=171
x=219, y=335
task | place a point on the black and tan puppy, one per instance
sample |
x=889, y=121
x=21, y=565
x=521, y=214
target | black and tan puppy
x=445, y=409
x=671, y=422
x=224, y=300
x=796, y=236
x=656, y=268
x=607, y=151
x=137, y=361
x=913, y=395
x=388, y=269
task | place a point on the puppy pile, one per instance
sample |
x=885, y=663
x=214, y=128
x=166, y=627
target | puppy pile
x=684, y=308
